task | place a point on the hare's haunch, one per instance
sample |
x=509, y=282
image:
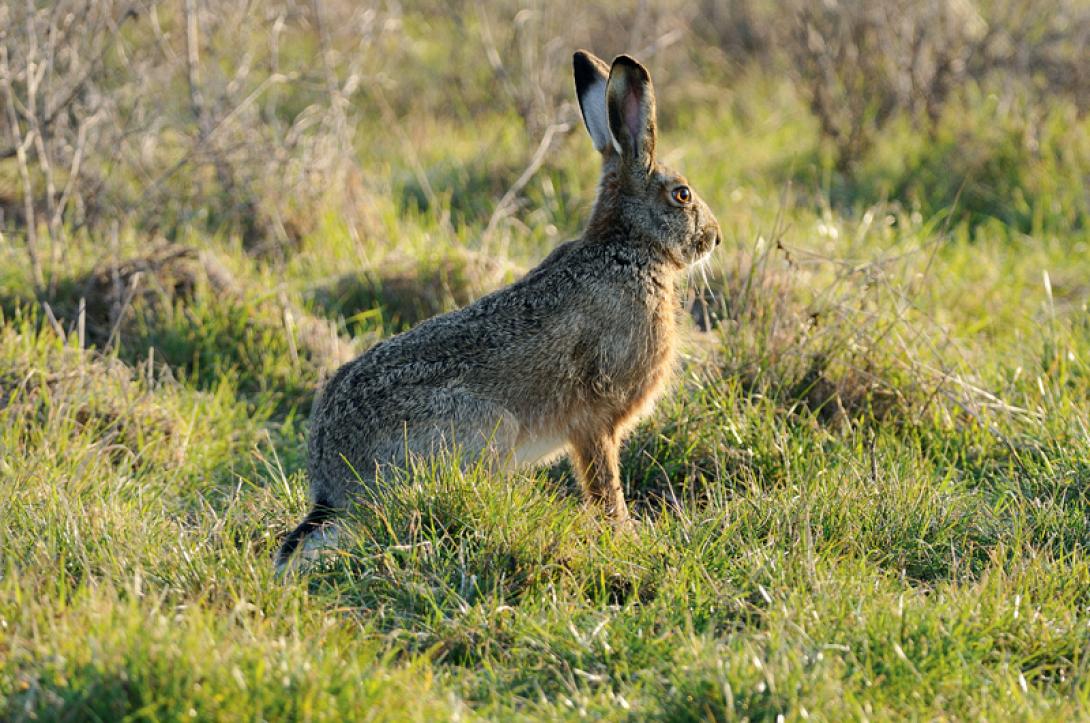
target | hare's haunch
x=566, y=359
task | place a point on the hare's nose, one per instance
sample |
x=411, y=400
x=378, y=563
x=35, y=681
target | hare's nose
x=718, y=231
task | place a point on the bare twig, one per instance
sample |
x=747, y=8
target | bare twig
x=22, y=142
x=507, y=205
x=392, y=121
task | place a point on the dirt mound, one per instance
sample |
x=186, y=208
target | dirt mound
x=86, y=390
x=410, y=290
x=816, y=345
x=135, y=303
x=113, y=293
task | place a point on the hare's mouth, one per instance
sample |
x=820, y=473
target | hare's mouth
x=705, y=245
x=699, y=261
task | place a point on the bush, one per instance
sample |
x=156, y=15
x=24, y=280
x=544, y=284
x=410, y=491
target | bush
x=861, y=64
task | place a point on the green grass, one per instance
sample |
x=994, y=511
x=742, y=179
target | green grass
x=866, y=496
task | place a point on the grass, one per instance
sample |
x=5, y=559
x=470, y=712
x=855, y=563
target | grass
x=865, y=497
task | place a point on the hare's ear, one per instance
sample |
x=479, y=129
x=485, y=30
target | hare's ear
x=630, y=103
x=591, y=76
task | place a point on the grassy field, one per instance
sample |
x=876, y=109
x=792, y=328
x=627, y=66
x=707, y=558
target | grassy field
x=866, y=496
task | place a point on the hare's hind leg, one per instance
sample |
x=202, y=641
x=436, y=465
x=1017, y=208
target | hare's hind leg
x=597, y=463
x=463, y=426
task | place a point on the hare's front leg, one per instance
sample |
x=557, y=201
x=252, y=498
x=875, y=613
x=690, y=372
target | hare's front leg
x=598, y=466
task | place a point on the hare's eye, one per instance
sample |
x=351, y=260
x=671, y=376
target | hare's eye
x=682, y=195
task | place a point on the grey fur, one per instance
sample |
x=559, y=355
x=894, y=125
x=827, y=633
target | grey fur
x=566, y=359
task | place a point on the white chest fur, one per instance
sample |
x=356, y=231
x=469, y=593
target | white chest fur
x=538, y=450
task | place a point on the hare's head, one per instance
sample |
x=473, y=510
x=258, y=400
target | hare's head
x=651, y=205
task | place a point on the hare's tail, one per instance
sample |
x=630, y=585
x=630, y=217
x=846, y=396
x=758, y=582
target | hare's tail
x=317, y=517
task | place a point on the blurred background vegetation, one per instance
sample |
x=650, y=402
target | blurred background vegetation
x=261, y=121
x=328, y=169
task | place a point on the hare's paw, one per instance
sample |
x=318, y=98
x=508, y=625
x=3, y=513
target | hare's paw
x=628, y=525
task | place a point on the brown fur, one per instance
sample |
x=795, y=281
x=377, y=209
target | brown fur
x=568, y=358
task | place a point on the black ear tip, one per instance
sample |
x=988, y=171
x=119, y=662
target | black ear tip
x=628, y=62
x=588, y=66
x=587, y=69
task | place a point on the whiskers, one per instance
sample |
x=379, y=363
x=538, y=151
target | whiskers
x=698, y=285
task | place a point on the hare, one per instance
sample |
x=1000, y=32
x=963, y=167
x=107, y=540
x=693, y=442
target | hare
x=567, y=359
